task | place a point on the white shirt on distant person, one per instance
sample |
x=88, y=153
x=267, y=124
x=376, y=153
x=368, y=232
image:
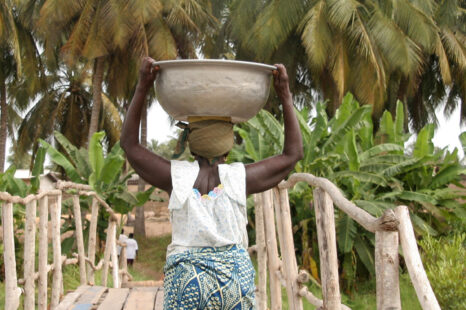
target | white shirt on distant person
x=121, y=239
x=131, y=248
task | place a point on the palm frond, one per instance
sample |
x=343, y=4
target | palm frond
x=454, y=47
x=316, y=36
x=273, y=25
x=400, y=51
x=74, y=46
x=162, y=45
x=419, y=26
x=117, y=22
x=9, y=35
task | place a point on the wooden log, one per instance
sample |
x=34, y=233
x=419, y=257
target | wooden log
x=102, y=202
x=386, y=270
x=146, y=283
x=272, y=250
x=63, y=185
x=71, y=298
x=79, y=239
x=89, y=298
x=57, y=282
x=43, y=253
x=416, y=271
x=108, y=250
x=7, y=197
x=276, y=205
x=159, y=300
x=290, y=267
x=114, y=258
x=12, y=291
x=115, y=299
x=141, y=298
x=327, y=249
x=123, y=265
x=313, y=300
x=366, y=220
x=92, y=240
x=29, y=256
x=261, y=289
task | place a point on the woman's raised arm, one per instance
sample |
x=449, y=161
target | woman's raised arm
x=151, y=167
x=267, y=173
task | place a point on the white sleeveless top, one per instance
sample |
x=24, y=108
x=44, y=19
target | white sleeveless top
x=212, y=220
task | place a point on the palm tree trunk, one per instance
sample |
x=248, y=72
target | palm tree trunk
x=330, y=92
x=140, y=221
x=3, y=125
x=97, y=79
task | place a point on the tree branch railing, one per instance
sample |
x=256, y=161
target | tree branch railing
x=275, y=257
x=391, y=229
x=49, y=205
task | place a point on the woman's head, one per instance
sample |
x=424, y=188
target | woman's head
x=210, y=138
x=207, y=138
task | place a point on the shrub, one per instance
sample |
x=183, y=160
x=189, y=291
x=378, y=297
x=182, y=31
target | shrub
x=444, y=262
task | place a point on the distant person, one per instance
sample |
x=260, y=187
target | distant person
x=121, y=239
x=131, y=249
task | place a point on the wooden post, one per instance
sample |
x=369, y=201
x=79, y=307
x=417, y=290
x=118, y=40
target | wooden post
x=29, y=256
x=123, y=266
x=272, y=250
x=43, y=253
x=261, y=290
x=79, y=239
x=12, y=291
x=114, y=257
x=92, y=240
x=386, y=270
x=288, y=253
x=55, y=215
x=108, y=250
x=418, y=275
x=327, y=249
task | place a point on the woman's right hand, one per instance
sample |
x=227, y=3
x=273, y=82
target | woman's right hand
x=281, y=83
x=148, y=72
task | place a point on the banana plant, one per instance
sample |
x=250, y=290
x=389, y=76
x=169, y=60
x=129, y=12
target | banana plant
x=376, y=172
x=103, y=172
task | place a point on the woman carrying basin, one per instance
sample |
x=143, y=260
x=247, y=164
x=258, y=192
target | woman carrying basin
x=207, y=262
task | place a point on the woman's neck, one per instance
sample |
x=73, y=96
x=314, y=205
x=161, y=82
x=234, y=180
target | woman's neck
x=208, y=177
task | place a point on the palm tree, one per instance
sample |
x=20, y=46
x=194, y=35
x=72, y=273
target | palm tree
x=18, y=64
x=66, y=103
x=381, y=50
x=93, y=30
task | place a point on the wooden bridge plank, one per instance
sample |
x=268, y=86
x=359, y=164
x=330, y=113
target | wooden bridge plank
x=89, y=298
x=70, y=298
x=141, y=298
x=115, y=299
x=159, y=300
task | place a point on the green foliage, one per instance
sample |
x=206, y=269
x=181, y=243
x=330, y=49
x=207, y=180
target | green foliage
x=375, y=172
x=103, y=172
x=444, y=262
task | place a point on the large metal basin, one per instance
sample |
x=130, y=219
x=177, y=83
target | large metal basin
x=226, y=88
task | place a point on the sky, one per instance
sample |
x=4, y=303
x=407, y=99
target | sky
x=446, y=134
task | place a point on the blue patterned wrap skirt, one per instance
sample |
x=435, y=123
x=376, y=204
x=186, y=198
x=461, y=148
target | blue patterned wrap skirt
x=209, y=278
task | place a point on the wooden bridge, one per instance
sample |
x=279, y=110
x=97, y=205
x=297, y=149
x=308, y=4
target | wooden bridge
x=276, y=258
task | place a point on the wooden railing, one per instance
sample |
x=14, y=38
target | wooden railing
x=50, y=201
x=273, y=217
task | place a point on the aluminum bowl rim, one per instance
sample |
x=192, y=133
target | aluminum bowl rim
x=165, y=63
